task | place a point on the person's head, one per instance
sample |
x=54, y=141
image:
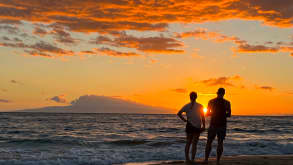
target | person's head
x=221, y=92
x=193, y=96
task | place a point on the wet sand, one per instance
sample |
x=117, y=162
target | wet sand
x=233, y=160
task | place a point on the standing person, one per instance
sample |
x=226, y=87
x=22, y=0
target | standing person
x=219, y=109
x=195, y=119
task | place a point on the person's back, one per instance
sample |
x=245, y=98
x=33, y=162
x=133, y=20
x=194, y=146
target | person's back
x=193, y=113
x=220, y=110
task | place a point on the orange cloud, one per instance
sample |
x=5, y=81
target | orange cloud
x=60, y=19
x=105, y=15
x=179, y=90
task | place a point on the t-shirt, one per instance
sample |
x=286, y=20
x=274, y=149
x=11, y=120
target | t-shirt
x=220, y=109
x=193, y=114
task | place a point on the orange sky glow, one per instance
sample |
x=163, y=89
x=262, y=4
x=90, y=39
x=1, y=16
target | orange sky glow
x=150, y=52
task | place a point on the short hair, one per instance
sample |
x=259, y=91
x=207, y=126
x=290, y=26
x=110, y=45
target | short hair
x=193, y=95
x=221, y=91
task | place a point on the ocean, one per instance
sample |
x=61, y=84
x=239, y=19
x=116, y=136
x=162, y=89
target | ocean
x=104, y=139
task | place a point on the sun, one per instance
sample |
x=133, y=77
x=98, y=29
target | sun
x=205, y=110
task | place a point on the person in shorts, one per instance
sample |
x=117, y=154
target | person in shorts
x=219, y=109
x=195, y=124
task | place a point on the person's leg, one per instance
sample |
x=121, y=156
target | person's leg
x=221, y=134
x=194, y=145
x=208, y=149
x=189, y=138
x=211, y=137
x=219, y=149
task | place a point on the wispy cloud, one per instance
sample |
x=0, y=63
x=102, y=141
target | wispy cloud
x=111, y=52
x=16, y=82
x=242, y=46
x=266, y=88
x=221, y=81
x=179, y=90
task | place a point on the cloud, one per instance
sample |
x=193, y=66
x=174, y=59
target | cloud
x=246, y=48
x=16, y=82
x=11, y=29
x=62, y=36
x=267, y=88
x=4, y=101
x=60, y=20
x=221, y=81
x=105, y=15
x=242, y=46
x=159, y=44
x=179, y=90
x=40, y=31
x=59, y=99
x=40, y=48
x=111, y=52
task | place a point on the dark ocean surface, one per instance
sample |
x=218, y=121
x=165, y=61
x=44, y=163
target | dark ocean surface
x=102, y=139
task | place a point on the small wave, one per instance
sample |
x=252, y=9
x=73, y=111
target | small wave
x=128, y=142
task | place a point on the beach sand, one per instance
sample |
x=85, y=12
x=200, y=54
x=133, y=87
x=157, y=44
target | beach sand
x=233, y=160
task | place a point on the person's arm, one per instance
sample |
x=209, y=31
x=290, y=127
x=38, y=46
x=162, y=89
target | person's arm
x=228, y=114
x=179, y=114
x=209, y=109
x=203, y=118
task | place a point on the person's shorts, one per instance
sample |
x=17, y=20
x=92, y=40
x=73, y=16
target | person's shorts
x=191, y=129
x=220, y=132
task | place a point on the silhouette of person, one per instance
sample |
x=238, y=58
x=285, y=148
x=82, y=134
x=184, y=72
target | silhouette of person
x=219, y=109
x=194, y=122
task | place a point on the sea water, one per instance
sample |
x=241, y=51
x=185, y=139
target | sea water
x=102, y=139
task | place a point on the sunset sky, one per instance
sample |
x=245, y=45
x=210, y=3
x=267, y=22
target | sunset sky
x=149, y=51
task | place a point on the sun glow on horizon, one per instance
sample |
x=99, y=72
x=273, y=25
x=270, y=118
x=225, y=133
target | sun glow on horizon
x=205, y=110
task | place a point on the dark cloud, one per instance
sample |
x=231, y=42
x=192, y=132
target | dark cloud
x=111, y=52
x=16, y=82
x=267, y=88
x=221, y=81
x=59, y=99
x=4, y=101
x=61, y=35
x=247, y=48
x=40, y=31
x=9, y=28
x=40, y=48
x=159, y=44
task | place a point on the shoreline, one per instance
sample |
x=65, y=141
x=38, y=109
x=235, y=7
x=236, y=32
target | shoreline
x=229, y=160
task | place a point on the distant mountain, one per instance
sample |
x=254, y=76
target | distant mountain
x=101, y=104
